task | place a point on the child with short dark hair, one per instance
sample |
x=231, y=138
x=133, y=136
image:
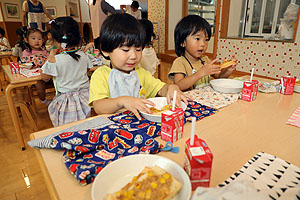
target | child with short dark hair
x=132, y=9
x=192, y=69
x=149, y=59
x=20, y=44
x=4, y=44
x=35, y=54
x=125, y=84
x=69, y=72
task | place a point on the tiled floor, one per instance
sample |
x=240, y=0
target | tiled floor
x=14, y=162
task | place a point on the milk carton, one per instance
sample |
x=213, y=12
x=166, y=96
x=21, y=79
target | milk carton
x=198, y=162
x=250, y=89
x=14, y=67
x=172, y=122
x=287, y=84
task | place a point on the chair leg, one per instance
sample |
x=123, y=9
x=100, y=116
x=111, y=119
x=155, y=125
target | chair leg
x=25, y=109
x=32, y=101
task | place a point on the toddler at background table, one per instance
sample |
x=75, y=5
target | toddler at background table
x=4, y=44
x=35, y=54
x=149, y=59
x=192, y=69
x=69, y=72
x=20, y=44
x=125, y=84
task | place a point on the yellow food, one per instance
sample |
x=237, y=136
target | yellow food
x=156, y=111
x=297, y=82
x=153, y=183
x=227, y=63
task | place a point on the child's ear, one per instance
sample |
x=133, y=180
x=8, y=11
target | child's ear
x=105, y=54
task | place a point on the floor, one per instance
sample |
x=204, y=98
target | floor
x=16, y=164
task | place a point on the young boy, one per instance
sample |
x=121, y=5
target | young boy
x=125, y=84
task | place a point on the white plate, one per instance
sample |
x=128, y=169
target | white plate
x=227, y=85
x=120, y=172
x=159, y=102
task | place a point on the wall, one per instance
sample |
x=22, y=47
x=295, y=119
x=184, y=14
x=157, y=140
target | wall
x=175, y=14
x=271, y=59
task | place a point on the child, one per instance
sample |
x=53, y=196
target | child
x=4, y=44
x=35, y=54
x=69, y=71
x=192, y=68
x=133, y=9
x=20, y=44
x=127, y=84
x=149, y=58
x=50, y=43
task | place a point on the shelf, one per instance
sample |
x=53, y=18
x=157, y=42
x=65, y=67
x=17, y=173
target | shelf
x=201, y=3
x=201, y=11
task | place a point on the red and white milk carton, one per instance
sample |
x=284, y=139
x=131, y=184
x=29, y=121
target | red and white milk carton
x=14, y=67
x=250, y=89
x=287, y=84
x=172, y=122
x=198, y=162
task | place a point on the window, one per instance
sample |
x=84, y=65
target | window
x=264, y=17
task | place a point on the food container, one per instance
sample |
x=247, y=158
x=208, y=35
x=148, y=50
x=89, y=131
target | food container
x=159, y=102
x=14, y=67
x=227, y=85
x=250, y=89
x=287, y=84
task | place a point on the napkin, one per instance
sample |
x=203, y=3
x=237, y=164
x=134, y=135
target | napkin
x=295, y=118
x=272, y=176
x=209, y=97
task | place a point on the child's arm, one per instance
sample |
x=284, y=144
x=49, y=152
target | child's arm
x=168, y=91
x=187, y=82
x=112, y=105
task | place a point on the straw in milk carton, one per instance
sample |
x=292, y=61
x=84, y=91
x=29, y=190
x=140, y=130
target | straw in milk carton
x=197, y=160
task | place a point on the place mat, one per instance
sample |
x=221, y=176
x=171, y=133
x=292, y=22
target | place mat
x=30, y=72
x=271, y=176
x=95, y=123
x=295, y=118
x=209, y=97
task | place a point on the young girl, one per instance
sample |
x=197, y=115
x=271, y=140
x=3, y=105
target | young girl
x=192, y=68
x=126, y=85
x=35, y=54
x=20, y=45
x=149, y=59
x=69, y=72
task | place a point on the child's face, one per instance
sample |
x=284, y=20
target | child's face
x=196, y=45
x=35, y=40
x=125, y=58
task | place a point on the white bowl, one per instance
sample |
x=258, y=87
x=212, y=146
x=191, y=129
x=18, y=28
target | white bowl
x=297, y=88
x=159, y=102
x=120, y=172
x=227, y=85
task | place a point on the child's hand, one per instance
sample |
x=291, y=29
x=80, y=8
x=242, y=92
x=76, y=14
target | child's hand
x=179, y=96
x=209, y=69
x=136, y=104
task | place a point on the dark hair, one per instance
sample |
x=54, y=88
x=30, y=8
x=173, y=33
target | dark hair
x=189, y=25
x=121, y=30
x=86, y=32
x=2, y=31
x=94, y=2
x=148, y=27
x=27, y=33
x=135, y=4
x=66, y=30
x=22, y=33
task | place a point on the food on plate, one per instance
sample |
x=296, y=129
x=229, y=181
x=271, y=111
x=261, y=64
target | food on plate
x=157, y=111
x=153, y=183
x=227, y=63
x=297, y=82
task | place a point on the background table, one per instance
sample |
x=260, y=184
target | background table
x=234, y=134
x=16, y=81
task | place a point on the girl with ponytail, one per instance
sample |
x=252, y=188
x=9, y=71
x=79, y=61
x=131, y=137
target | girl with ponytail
x=69, y=72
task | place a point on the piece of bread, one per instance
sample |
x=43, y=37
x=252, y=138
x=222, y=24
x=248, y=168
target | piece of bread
x=227, y=63
x=153, y=183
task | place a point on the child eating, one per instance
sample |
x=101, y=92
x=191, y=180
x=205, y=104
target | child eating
x=125, y=84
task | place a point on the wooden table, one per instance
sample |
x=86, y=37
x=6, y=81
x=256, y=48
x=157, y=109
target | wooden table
x=16, y=81
x=234, y=134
